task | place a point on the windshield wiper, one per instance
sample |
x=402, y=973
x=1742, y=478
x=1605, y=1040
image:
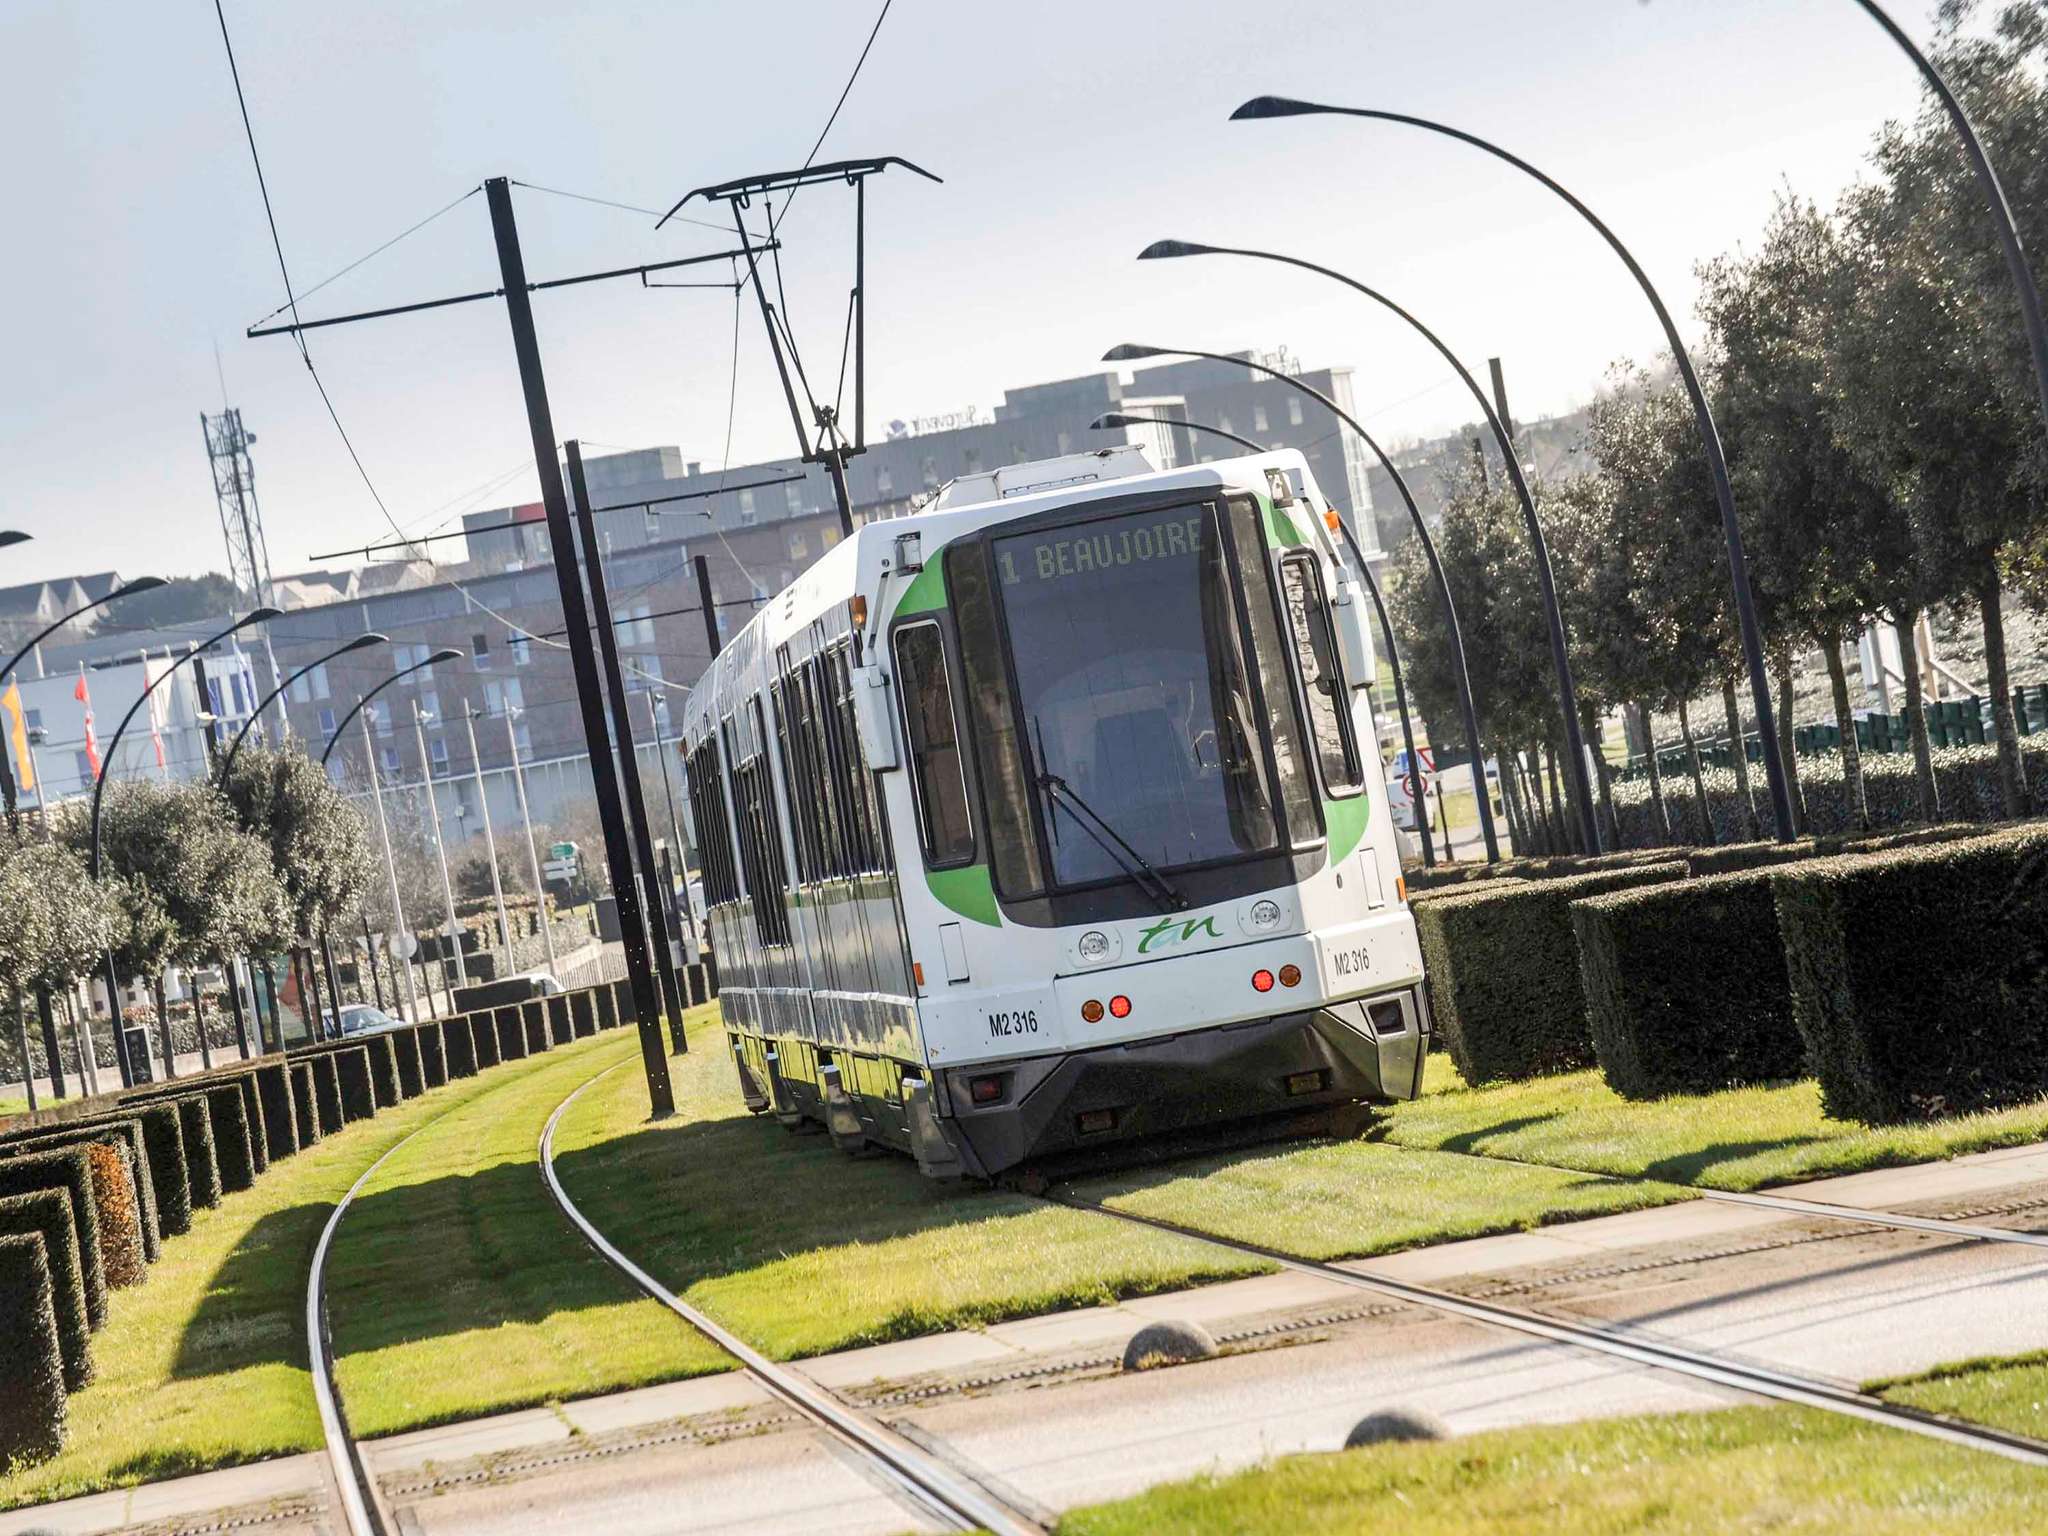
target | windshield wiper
x=1148, y=879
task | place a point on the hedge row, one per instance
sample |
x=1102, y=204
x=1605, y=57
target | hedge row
x=32, y=1396
x=46, y=1213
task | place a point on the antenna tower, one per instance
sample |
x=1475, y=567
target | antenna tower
x=234, y=487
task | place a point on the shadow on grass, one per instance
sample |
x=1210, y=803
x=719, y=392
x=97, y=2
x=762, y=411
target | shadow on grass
x=1468, y=1141
x=1686, y=1167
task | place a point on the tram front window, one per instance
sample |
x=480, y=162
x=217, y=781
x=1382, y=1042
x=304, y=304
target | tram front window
x=1134, y=695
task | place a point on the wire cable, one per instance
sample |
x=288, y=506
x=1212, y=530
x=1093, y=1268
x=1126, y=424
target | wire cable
x=379, y=251
x=873, y=33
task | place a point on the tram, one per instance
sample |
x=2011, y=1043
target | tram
x=1050, y=816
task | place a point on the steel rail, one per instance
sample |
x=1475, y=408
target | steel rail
x=929, y=1483
x=1701, y=1365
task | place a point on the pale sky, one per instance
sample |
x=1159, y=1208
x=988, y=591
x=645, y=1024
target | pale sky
x=1069, y=135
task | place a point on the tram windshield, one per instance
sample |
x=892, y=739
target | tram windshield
x=1136, y=716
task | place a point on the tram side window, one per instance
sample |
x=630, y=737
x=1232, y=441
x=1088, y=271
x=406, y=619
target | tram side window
x=1283, y=727
x=714, y=835
x=799, y=776
x=761, y=844
x=819, y=773
x=937, y=773
x=1322, y=673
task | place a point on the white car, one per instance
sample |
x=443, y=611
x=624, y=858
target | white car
x=365, y=1019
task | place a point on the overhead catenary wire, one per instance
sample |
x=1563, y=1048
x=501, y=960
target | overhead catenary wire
x=363, y=260
x=819, y=143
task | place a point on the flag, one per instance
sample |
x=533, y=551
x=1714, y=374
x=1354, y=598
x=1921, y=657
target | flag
x=156, y=735
x=92, y=742
x=17, y=732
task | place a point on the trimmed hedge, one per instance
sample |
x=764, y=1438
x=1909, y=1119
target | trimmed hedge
x=169, y=1177
x=68, y=1169
x=1504, y=972
x=405, y=1050
x=327, y=1092
x=511, y=1033
x=273, y=1079
x=120, y=1217
x=352, y=1074
x=202, y=1162
x=252, y=1116
x=582, y=1014
x=607, y=1007
x=1685, y=986
x=1917, y=977
x=233, y=1146
x=458, y=1046
x=123, y=1132
x=433, y=1055
x=383, y=1062
x=559, y=1027
x=533, y=1017
x=483, y=1034
x=623, y=1006
x=305, y=1109
x=47, y=1214
x=32, y=1396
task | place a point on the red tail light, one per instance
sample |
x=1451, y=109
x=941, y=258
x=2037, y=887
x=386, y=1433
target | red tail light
x=1120, y=1006
x=1262, y=980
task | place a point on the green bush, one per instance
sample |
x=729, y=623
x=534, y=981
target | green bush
x=383, y=1070
x=202, y=1163
x=68, y=1169
x=405, y=1050
x=458, y=1045
x=511, y=1032
x=327, y=1092
x=352, y=1073
x=252, y=1117
x=305, y=1108
x=1504, y=973
x=32, y=1396
x=1917, y=974
x=583, y=1013
x=607, y=1004
x=483, y=1034
x=533, y=1017
x=120, y=1217
x=233, y=1147
x=47, y=1214
x=1685, y=986
x=168, y=1175
x=1420, y=877
x=558, y=1020
x=273, y=1080
x=121, y=1130
x=433, y=1055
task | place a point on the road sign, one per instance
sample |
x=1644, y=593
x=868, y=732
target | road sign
x=562, y=851
x=559, y=869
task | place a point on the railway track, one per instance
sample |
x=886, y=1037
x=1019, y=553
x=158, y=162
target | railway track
x=950, y=1496
x=1622, y=1343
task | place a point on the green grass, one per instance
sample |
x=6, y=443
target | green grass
x=205, y=1365
x=1351, y=1199
x=1739, y=1139
x=1684, y=1474
x=802, y=1250
x=456, y=1288
x=2007, y=1391
x=13, y=1107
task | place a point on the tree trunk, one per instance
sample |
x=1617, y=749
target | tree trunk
x=309, y=972
x=83, y=1052
x=28, y=1067
x=1703, y=819
x=232, y=973
x=1511, y=801
x=1603, y=773
x=1548, y=758
x=1738, y=749
x=199, y=1023
x=1916, y=715
x=1853, y=801
x=1788, y=748
x=51, y=1048
x=1657, y=800
x=276, y=1018
x=163, y=1027
x=2015, y=795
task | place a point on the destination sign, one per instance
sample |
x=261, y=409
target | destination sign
x=1097, y=547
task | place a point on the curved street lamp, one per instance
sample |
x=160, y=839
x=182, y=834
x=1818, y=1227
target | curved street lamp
x=361, y=642
x=445, y=654
x=1131, y=352
x=1560, y=655
x=13, y=536
x=1111, y=419
x=1717, y=462
x=99, y=789
x=1994, y=197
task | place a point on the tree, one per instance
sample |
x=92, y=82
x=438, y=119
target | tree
x=54, y=926
x=319, y=843
x=181, y=600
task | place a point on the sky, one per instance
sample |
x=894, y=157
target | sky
x=1068, y=135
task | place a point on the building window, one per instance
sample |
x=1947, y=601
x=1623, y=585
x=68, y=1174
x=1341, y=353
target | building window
x=430, y=703
x=327, y=723
x=311, y=686
x=931, y=471
x=381, y=715
x=32, y=719
x=389, y=757
x=82, y=766
x=634, y=626
x=480, y=650
x=1066, y=442
x=884, y=481
x=438, y=749
x=409, y=656
x=523, y=737
x=653, y=523
x=974, y=461
x=746, y=506
x=1223, y=424
x=796, y=496
x=650, y=666
x=829, y=537
x=522, y=650
x=1294, y=410
x=799, y=546
x=1259, y=418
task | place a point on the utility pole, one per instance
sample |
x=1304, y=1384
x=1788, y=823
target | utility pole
x=629, y=766
x=706, y=605
x=483, y=811
x=576, y=620
x=454, y=934
x=655, y=709
x=540, y=889
x=398, y=928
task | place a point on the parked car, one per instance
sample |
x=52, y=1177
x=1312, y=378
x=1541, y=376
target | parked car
x=363, y=1019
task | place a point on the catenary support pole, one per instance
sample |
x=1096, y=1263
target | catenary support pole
x=709, y=608
x=540, y=889
x=576, y=621
x=483, y=811
x=398, y=928
x=454, y=932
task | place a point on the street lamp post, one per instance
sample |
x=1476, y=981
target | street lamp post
x=454, y=934
x=540, y=890
x=1717, y=463
x=656, y=708
x=99, y=788
x=1129, y=352
x=360, y=643
x=1560, y=655
x=483, y=811
x=129, y=589
x=1111, y=419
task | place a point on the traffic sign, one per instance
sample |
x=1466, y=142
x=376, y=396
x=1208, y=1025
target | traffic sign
x=562, y=851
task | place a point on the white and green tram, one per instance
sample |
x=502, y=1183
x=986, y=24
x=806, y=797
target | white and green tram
x=1051, y=816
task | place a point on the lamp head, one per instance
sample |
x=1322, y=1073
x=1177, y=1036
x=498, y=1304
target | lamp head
x=446, y=653
x=262, y=615
x=12, y=536
x=1130, y=351
x=1161, y=250
x=1275, y=106
x=1107, y=420
x=138, y=585
x=364, y=642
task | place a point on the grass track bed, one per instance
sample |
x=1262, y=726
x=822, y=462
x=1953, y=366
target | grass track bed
x=1741, y=1139
x=801, y=1250
x=205, y=1366
x=456, y=1288
x=2006, y=1392
x=1683, y=1474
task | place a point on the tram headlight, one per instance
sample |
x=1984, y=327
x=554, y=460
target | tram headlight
x=1264, y=916
x=1094, y=945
